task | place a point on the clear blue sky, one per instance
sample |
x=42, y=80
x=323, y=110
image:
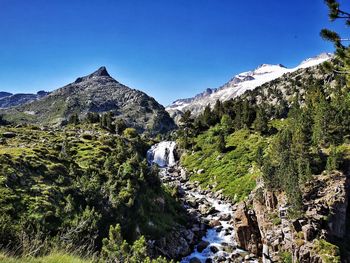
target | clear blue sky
x=168, y=48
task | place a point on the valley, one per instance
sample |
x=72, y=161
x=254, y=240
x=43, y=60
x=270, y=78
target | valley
x=256, y=170
x=212, y=191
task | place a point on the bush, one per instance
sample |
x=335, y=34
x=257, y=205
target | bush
x=328, y=252
x=130, y=133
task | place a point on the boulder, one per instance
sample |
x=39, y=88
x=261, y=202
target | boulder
x=214, y=249
x=192, y=202
x=309, y=232
x=206, y=209
x=247, y=233
x=214, y=223
x=195, y=260
x=200, y=171
x=183, y=175
x=202, y=245
x=229, y=248
x=9, y=134
x=225, y=217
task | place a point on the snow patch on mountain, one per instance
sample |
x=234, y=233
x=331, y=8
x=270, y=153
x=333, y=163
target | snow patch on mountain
x=239, y=84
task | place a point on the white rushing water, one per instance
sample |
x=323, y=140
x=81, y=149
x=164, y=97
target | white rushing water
x=162, y=154
x=217, y=237
x=220, y=238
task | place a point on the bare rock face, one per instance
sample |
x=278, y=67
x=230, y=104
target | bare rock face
x=323, y=221
x=247, y=231
x=327, y=198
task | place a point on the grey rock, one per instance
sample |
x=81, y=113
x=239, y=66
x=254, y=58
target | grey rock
x=9, y=134
x=202, y=245
x=214, y=249
x=195, y=260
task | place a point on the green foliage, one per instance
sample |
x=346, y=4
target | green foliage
x=74, y=119
x=120, y=126
x=114, y=249
x=286, y=257
x=342, y=65
x=106, y=121
x=59, y=189
x=117, y=250
x=328, y=252
x=287, y=164
x=54, y=257
x=221, y=144
x=235, y=171
x=333, y=159
x=130, y=133
x=186, y=130
x=93, y=117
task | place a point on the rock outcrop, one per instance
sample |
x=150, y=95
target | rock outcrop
x=247, y=232
x=306, y=238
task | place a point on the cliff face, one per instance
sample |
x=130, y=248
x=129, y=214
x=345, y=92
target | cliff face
x=305, y=238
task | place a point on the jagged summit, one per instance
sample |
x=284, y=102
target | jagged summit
x=270, y=65
x=101, y=72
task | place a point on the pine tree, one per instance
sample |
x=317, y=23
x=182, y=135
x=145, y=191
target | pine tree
x=74, y=119
x=120, y=126
x=333, y=159
x=114, y=249
x=93, y=117
x=221, y=144
x=226, y=124
x=260, y=123
x=342, y=65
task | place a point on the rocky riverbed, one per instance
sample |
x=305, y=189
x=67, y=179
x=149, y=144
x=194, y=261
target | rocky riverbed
x=211, y=235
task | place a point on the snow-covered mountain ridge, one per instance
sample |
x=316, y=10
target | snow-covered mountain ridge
x=239, y=84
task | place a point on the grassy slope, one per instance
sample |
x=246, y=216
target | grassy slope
x=36, y=182
x=234, y=171
x=55, y=257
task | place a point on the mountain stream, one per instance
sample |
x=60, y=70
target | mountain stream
x=218, y=244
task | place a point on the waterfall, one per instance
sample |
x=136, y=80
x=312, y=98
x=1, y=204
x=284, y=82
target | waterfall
x=162, y=154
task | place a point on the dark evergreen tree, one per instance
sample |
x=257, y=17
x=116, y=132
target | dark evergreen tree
x=261, y=122
x=93, y=117
x=74, y=119
x=120, y=126
x=221, y=143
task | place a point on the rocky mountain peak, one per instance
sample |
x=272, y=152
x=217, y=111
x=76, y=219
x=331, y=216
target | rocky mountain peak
x=101, y=72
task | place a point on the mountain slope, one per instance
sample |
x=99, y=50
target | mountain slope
x=97, y=92
x=8, y=100
x=239, y=84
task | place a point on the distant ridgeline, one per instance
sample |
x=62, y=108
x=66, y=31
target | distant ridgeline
x=239, y=84
x=97, y=93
